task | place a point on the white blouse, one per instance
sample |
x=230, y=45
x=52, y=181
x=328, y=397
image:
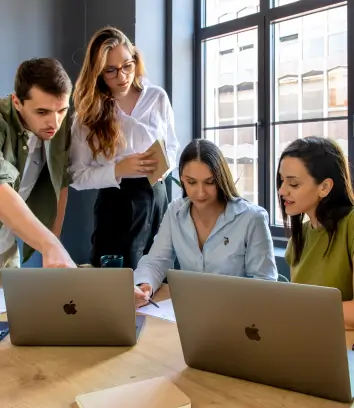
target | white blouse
x=151, y=119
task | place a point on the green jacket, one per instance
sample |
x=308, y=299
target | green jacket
x=44, y=197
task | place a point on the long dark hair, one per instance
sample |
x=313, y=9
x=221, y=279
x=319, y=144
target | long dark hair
x=208, y=153
x=323, y=158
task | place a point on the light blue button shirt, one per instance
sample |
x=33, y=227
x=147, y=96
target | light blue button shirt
x=240, y=244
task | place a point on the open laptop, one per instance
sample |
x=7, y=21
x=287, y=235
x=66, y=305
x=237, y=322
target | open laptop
x=71, y=307
x=286, y=335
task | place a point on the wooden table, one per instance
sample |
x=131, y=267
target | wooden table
x=51, y=377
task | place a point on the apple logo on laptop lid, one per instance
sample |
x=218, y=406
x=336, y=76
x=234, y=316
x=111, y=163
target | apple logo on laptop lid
x=70, y=308
x=253, y=333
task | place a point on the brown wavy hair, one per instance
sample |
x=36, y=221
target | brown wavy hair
x=94, y=104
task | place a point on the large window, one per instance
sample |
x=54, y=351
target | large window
x=273, y=71
x=231, y=108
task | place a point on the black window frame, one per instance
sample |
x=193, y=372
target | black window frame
x=263, y=21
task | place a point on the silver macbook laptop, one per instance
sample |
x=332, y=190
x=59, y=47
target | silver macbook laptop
x=71, y=307
x=281, y=334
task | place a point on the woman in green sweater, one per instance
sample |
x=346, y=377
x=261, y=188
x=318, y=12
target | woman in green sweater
x=313, y=180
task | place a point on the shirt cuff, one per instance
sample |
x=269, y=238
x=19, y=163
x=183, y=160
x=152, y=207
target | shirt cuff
x=145, y=278
x=8, y=173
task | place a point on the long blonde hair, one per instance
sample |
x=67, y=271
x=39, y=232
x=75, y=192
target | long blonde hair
x=94, y=104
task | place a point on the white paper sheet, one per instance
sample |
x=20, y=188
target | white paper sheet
x=165, y=311
x=2, y=301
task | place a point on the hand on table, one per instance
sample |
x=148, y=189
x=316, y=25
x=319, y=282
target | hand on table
x=56, y=256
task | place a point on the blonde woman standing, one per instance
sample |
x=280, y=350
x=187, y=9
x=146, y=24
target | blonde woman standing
x=118, y=116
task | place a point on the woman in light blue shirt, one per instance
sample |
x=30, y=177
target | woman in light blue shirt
x=211, y=229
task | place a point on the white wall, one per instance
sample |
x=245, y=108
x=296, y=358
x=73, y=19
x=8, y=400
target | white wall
x=150, y=37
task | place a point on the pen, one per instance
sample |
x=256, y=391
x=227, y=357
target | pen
x=148, y=299
x=152, y=302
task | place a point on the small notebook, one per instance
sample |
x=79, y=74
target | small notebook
x=153, y=393
x=163, y=165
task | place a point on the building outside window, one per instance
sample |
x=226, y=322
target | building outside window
x=272, y=72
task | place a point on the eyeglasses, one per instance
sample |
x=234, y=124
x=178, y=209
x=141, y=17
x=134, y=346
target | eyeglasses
x=112, y=72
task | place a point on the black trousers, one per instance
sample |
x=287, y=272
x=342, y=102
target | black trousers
x=127, y=219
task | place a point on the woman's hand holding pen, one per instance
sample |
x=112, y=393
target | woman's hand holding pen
x=136, y=165
x=142, y=294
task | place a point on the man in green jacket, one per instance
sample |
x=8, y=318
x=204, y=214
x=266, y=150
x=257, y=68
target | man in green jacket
x=34, y=142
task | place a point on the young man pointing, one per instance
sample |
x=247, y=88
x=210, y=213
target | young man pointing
x=34, y=142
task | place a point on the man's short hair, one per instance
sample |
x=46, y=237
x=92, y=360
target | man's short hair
x=47, y=74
